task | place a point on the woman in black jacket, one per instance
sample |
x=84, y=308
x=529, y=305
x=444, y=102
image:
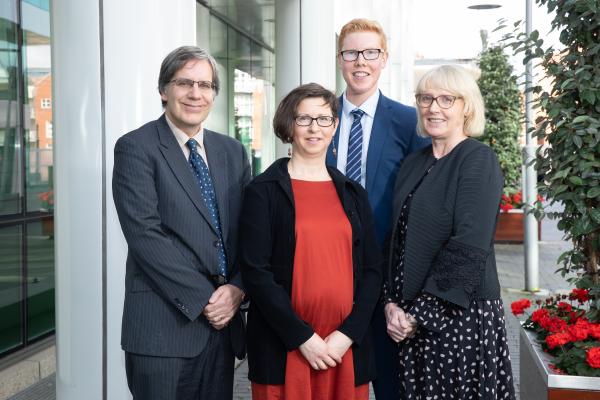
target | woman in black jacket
x=441, y=287
x=310, y=264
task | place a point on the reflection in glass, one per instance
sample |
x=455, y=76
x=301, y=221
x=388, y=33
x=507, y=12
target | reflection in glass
x=37, y=106
x=249, y=112
x=245, y=104
x=40, y=278
x=10, y=288
x=10, y=154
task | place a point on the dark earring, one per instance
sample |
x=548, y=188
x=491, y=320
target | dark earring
x=289, y=151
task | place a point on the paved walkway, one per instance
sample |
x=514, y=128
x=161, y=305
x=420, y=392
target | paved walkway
x=510, y=259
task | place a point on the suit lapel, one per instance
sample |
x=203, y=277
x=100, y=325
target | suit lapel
x=217, y=164
x=379, y=134
x=174, y=156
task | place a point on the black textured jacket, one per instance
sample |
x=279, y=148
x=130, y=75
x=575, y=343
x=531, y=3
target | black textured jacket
x=449, y=241
x=267, y=245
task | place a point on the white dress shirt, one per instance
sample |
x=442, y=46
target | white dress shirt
x=369, y=107
x=182, y=139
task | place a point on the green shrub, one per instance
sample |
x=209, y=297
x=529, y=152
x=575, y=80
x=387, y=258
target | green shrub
x=570, y=163
x=502, y=114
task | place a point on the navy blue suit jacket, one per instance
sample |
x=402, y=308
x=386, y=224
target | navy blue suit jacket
x=393, y=137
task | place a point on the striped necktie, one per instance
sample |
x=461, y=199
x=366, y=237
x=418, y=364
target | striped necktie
x=202, y=175
x=354, y=158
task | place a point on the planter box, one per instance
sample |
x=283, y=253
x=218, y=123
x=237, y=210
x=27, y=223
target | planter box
x=539, y=382
x=511, y=227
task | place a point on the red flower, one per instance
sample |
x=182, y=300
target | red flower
x=556, y=369
x=574, y=316
x=577, y=333
x=553, y=324
x=517, y=197
x=594, y=331
x=518, y=307
x=539, y=314
x=562, y=306
x=593, y=357
x=581, y=295
x=558, y=339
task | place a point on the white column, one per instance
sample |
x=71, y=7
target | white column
x=105, y=70
x=317, y=40
x=287, y=61
x=305, y=43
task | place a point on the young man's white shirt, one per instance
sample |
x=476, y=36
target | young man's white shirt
x=368, y=106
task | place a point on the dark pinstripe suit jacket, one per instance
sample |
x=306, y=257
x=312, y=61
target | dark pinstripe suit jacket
x=170, y=237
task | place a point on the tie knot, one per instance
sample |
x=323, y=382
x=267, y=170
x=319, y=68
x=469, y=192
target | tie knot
x=357, y=113
x=192, y=145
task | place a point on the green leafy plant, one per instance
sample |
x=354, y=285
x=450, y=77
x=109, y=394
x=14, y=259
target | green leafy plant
x=502, y=113
x=570, y=163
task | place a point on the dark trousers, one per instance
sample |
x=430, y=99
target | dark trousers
x=387, y=384
x=208, y=376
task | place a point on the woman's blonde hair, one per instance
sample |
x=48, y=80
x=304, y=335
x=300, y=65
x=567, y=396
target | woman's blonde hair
x=458, y=81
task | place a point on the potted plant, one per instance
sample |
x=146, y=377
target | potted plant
x=570, y=163
x=510, y=227
x=503, y=125
x=46, y=200
x=47, y=205
x=503, y=116
x=563, y=342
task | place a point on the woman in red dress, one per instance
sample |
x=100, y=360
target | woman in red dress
x=310, y=264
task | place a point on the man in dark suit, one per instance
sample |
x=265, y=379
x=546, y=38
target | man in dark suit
x=177, y=188
x=374, y=135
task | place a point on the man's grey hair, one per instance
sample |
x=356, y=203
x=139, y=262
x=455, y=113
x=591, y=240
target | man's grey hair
x=176, y=59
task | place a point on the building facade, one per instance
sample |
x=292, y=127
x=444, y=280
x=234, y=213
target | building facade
x=75, y=75
x=26, y=176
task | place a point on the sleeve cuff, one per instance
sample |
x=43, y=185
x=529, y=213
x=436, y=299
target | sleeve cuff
x=457, y=272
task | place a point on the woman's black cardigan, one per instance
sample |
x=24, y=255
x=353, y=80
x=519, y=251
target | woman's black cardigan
x=266, y=251
x=451, y=224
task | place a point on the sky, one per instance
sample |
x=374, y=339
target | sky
x=450, y=30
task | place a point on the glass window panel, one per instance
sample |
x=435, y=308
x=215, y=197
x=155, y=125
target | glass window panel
x=240, y=57
x=10, y=288
x=254, y=17
x=37, y=106
x=10, y=146
x=40, y=277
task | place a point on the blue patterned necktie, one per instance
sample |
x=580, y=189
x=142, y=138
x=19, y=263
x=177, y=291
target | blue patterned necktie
x=207, y=189
x=354, y=158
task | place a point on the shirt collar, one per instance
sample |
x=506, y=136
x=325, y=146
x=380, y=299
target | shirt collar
x=369, y=106
x=182, y=137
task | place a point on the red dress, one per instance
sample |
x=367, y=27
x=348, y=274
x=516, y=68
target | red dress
x=322, y=294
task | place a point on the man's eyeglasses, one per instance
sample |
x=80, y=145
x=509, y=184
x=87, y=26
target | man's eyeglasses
x=307, y=120
x=188, y=84
x=368, y=54
x=444, y=101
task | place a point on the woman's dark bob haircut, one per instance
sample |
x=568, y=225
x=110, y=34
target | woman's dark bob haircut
x=283, y=121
